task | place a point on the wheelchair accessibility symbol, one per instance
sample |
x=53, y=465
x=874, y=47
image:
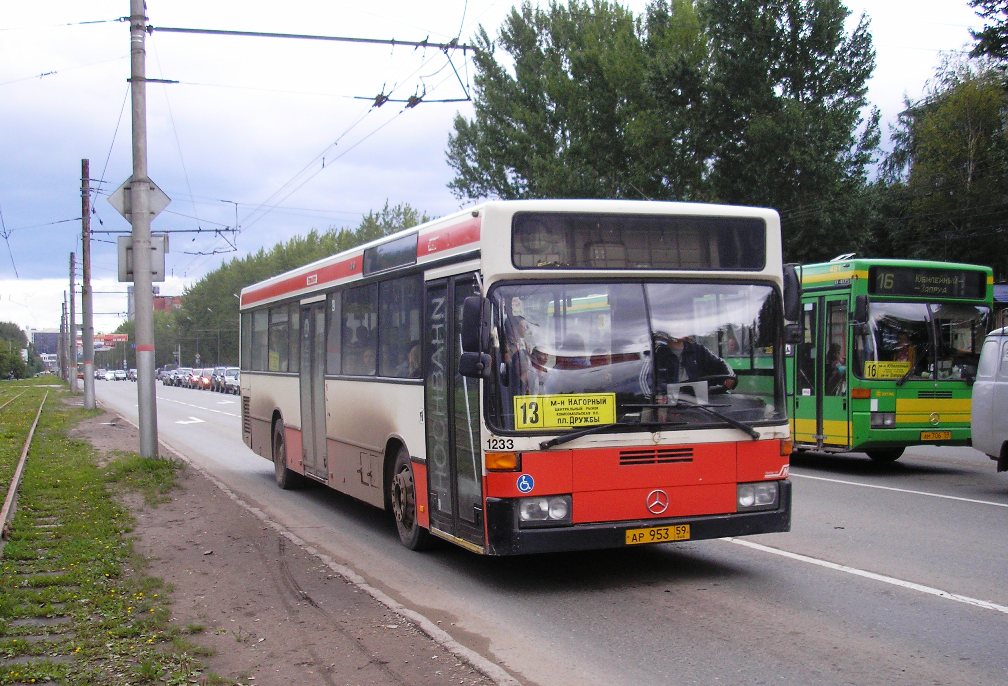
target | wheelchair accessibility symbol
x=526, y=483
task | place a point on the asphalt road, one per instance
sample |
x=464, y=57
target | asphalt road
x=891, y=574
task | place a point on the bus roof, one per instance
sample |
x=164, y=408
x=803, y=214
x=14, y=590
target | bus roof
x=459, y=234
x=843, y=273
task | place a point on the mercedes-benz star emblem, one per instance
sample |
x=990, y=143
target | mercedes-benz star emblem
x=657, y=501
x=935, y=418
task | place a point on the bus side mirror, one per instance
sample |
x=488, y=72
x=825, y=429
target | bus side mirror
x=792, y=294
x=861, y=309
x=792, y=333
x=475, y=324
x=475, y=365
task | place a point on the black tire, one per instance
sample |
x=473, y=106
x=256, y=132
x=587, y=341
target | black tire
x=402, y=494
x=285, y=478
x=885, y=455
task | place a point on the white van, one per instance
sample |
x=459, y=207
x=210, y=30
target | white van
x=990, y=399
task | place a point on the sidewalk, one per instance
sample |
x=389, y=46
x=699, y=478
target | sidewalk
x=270, y=612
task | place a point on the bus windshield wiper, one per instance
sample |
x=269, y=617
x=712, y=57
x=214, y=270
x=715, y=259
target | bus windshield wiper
x=753, y=433
x=567, y=437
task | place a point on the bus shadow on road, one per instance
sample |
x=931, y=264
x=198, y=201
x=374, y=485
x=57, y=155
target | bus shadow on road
x=859, y=464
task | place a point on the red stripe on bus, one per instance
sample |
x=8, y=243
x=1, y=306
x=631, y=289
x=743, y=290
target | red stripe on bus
x=449, y=238
x=320, y=276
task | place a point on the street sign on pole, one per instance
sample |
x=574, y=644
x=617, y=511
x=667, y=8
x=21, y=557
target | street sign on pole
x=121, y=199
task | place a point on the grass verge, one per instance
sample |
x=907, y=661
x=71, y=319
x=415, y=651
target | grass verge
x=77, y=605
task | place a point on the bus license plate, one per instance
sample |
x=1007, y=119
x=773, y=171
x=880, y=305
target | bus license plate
x=658, y=534
x=936, y=435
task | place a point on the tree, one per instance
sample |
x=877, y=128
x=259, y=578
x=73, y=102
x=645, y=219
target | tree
x=559, y=124
x=992, y=40
x=950, y=159
x=12, y=342
x=739, y=101
x=787, y=89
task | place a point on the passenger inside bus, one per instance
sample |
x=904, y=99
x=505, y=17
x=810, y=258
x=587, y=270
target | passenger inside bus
x=516, y=355
x=681, y=359
x=904, y=351
x=836, y=370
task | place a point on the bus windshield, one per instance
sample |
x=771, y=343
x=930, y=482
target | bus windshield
x=643, y=344
x=921, y=341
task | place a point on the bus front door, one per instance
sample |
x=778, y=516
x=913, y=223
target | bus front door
x=820, y=407
x=313, y=359
x=452, y=418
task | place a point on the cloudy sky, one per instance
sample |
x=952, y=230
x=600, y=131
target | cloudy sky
x=275, y=136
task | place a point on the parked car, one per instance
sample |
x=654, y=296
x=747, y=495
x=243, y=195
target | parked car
x=99, y=374
x=120, y=375
x=232, y=380
x=989, y=405
x=217, y=380
x=194, y=378
x=180, y=377
x=110, y=375
x=131, y=374
x=205, y=378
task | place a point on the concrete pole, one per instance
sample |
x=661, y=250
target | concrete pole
x=87, y=308
x=140, y=218
x=73, y=324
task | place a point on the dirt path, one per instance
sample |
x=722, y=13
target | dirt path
x=271, y=612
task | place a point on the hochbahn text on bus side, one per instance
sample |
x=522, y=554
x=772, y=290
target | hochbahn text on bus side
x=888, y=354
x=536, y=376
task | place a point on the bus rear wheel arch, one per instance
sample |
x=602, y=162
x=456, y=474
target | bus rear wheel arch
x=403, y=500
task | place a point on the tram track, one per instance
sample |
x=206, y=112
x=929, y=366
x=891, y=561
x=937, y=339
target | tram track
x=7, y=511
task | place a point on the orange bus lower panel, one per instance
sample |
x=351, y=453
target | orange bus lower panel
x=420, y=486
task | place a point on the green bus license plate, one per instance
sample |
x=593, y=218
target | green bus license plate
x=658, y=534
x=936, y=435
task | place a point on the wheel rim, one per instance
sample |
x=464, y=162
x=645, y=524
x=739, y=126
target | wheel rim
x=403, y=498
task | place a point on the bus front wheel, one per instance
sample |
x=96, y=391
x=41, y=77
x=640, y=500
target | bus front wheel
x=285, y=478
x=402, y=493
x=885, y=455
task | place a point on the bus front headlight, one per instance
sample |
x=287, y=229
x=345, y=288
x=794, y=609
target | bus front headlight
x=762, y=495
x=547, y=510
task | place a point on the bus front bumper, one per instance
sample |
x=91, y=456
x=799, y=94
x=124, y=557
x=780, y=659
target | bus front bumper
x=505, y=537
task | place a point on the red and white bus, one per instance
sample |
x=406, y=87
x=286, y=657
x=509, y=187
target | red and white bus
x=536, y=375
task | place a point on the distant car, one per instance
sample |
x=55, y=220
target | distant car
x=110, y=375
x=217, y=380
x=205, y=378
x=193, y=379
x=180, y=377
x=989, y=404
x=232, y=380
x=131, y=374
x=99, y=374
x=119, y=375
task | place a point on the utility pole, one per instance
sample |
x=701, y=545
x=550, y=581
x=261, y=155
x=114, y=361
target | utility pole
x=73, y=324
x=64, y=357
x=140, y=218
x=86, y=306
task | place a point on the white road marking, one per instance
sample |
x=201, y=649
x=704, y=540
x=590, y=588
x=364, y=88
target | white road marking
x=910, y=585
x=198, y=407
x=191, y=420
x=900, y=490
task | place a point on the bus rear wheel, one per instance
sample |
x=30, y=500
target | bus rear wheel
x=885, y=455
x=285, y=478
x=402, y=494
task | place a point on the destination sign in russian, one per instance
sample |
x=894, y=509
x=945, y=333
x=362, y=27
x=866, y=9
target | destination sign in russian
x=885, y=369
x=567, y=411
x=918, y=281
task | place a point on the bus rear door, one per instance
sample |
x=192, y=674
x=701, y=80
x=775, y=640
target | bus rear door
x=313, y=415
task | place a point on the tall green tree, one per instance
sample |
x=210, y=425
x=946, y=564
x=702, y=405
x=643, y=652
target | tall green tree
x=787, y=90
x=557, y=120
x=992, y=39
x=739, y=101
x=950, y=162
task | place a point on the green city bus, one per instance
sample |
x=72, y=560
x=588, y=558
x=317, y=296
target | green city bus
x=887, y=354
